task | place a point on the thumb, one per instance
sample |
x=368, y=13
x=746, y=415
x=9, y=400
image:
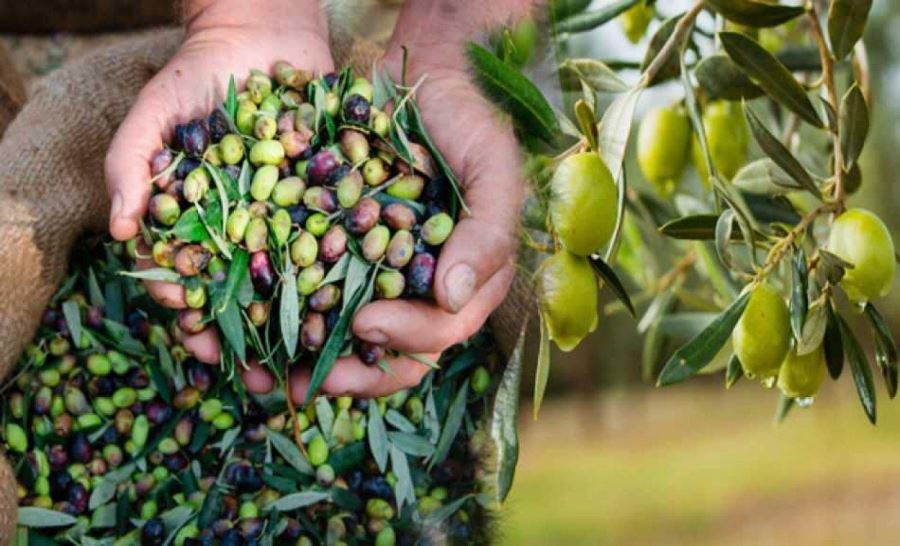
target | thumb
x=127, y=165
x=484, y=240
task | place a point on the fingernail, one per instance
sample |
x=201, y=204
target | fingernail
x=374, y=336
x=460, y=286
x=116, y=208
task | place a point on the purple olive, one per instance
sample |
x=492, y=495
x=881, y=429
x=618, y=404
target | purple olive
x=320, y=167
x=370, y=353
x=357, y=108
x=325, y=298
x=420, y=274
x=191, y=321
x=364, y=216
x=218, y=125
x=262, y=273
x=195, y=137
x=333, y=245
x=312, y=332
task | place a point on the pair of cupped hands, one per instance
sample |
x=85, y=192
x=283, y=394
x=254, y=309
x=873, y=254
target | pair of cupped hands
x=475, y=267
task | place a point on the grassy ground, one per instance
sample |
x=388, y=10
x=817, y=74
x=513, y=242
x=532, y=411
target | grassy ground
x=697, y=465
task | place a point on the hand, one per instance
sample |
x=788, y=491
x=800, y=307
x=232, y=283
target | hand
x=476, y=265
x=221, y=40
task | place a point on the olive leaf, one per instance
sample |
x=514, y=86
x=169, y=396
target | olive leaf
x=560, y=9
x=615, y=129
x=229, y=321
x=846, y=23
x=672, y=66
x=161, y=274
x=513, y=92
x=833, y=267
x=799, y=290
x=833, y=343
x=587, y=121
x=404, y=490
x=505, y=417
x=814, y=329
x=334, y=344
x=772, y=76
x=72, y=314
x=723, y=236
x=377, y=436
x=591, y=72
x=585, y=21
x=722, y=79
x=451, y=425
x=189, y=228
x=542, y=372
x=885, y=349
x=693, y=108
x=289, y=450
x=785, y=405
x=859, y=367
x=764, y=177
x=609, y=276
x=231, y=102
x=289, y=503
x=779, y=153
x=853, y=126
x=411, y=443
x=36, y=517
x=699, y=351
x=733, y=372
x=289, y=308
x=696, y=227
x=755, y=13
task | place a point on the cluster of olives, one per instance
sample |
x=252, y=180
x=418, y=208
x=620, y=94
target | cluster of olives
x=118, y=434
x=762, y=339
x=666, y=143
x=307, y=179
x=582, y=207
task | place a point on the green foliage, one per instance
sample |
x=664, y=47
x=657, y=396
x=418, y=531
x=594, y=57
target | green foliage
x=768, y=223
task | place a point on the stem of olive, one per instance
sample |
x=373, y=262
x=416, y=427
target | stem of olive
x=780, y=248
x=831, y=90
x=681, y=30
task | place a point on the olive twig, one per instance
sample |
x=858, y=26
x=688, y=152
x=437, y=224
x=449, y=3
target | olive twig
x=779, y=249
x=681, y=30
x=831, y=90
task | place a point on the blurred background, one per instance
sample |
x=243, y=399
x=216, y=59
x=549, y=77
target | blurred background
x=612, y=459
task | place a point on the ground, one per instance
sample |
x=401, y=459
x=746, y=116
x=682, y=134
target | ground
x=698, y=465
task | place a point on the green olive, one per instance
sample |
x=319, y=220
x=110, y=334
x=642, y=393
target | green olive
x=762, y=336
x=583, y=203
x=802, y=375
x=567, y=289
x=728, y=138
x=860, y=237
x=636, y=20
x=524, y=36
x=664, y=143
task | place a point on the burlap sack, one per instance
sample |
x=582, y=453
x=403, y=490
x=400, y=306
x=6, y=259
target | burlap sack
x=52, y=189
x=17, y=16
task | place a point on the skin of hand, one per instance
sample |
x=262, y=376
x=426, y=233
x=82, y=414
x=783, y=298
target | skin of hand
x=476, y=265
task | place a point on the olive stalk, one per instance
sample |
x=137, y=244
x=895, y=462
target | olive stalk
x=780, y=248
x=681, y=30
x=831, y=90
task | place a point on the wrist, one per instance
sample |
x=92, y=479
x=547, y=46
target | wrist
x=270, y=16
x=435, y=31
